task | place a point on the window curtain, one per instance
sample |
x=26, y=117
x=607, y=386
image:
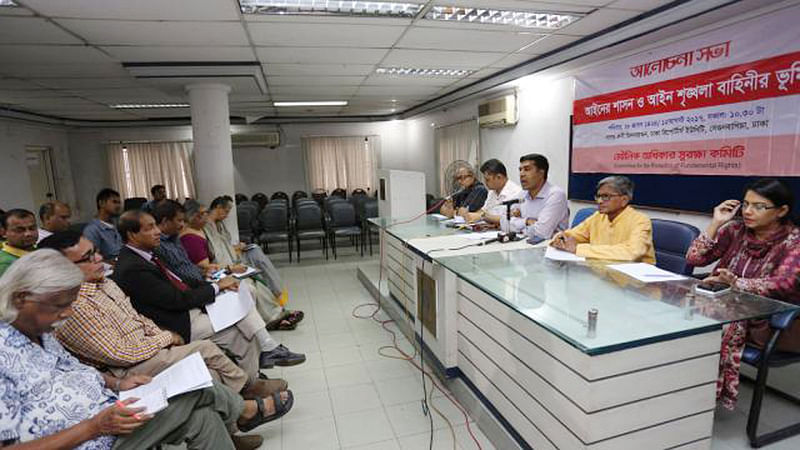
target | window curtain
x=136, y=167
x=340, y=162
x=459, y=141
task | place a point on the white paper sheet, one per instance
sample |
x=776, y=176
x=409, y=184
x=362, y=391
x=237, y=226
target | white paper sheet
x=438, y=216
x=153, y=401
x=646, y=273
x=481, y=236
x=229, y=308
x=246, y=273
x=560, y=255
x=186, y=375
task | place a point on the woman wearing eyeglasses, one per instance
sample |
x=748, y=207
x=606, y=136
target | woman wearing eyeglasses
x=758, y=252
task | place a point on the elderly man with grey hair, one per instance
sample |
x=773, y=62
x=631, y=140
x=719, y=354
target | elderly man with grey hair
x=50, y=400
x=616, y=231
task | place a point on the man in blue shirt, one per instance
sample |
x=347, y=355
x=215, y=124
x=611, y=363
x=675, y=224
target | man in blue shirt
x=101, y=230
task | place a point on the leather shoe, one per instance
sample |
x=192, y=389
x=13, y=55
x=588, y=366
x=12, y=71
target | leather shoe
x=280, y=356
x=247, y=441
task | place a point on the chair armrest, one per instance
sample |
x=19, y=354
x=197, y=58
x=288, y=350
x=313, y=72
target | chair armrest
x=784, y=320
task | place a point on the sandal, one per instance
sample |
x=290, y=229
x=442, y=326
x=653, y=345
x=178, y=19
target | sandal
x=281, y=325
x=281, y=408
x=295, y=316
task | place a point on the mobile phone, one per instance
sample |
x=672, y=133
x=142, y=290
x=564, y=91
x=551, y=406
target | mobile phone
x=712, y=288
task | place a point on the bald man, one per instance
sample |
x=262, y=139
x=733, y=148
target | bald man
x=53, y=217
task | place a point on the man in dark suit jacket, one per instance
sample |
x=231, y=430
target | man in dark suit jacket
x=177, y=305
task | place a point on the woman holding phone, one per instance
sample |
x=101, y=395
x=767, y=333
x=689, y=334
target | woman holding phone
x=758, y=252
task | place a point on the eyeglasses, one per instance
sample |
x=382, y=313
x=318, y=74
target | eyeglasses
x=605, y=197
x=88, y=257
x=757, y=207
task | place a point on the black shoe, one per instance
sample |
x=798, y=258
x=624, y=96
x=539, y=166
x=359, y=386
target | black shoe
x=281, y=356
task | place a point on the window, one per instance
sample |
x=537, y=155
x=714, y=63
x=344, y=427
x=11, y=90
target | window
x=347, y=162
x=135, y=167
x=455, y=142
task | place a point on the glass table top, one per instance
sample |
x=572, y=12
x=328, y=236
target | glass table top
x=559, y=295
x=423, y=227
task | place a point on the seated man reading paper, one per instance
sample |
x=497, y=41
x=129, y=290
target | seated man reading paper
x=616, y=231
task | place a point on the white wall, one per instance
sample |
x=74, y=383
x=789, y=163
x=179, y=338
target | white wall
x=16, y=189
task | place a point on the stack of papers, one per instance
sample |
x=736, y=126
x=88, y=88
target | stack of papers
x=229, y=308
x=186, y=375
x=560, y=255
x=481, y=236
x=646, y=273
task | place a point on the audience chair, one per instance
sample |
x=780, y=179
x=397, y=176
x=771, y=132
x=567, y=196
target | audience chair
x=133, y=203
x=250, y=204
x=298, y=194
x=319, y=195
x=309, y=223
x=332, y=200
x=280, y=194
x=763, y=360
x=582, y=215
x=672, y=240
x=262, y=200
x=245, y=218
x=358, y=191
x=275, y=227
x=343, y=223
x=339, y=192
x=240, y=198
x=370, y=210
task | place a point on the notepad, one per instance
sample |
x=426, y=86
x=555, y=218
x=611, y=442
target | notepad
x=186, y=375
x=555, y=254
x=646, y=273
x=229, y=308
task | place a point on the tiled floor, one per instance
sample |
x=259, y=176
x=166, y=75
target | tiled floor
x=348, y=397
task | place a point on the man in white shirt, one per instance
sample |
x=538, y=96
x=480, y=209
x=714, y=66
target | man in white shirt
x=543, y=210
x=501, y=189
x=54, y=217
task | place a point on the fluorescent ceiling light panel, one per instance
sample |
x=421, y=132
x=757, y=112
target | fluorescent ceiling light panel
x=9, y=3
x=417, y=72
x=524, y=19
x=330, y=8
x=325, y=103
x=149, y=105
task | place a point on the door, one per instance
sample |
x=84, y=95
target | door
x=40, y=173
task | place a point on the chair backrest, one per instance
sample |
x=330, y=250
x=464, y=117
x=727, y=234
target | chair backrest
x=343, y=214
x=273, y=219
x=358, y=204
x=308, y=217
x=304, y=201
x=250, y=204
x=358, y=191
x=331, y=201
x=582, y=215
x=245, y=218
x=260, y=198
x=370, y=209
x=280, y=194
x=279, y=201
x=339, y=192
x=671, y=240
x=133, y=203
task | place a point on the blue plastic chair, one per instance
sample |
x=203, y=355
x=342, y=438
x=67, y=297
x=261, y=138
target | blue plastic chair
x=582, y=215
x=763, y=359
x=671, y=240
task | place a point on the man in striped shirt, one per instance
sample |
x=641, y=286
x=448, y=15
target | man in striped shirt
x=107, y=332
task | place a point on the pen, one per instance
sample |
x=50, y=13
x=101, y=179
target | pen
x=120, y=405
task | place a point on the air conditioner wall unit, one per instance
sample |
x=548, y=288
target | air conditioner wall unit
x=270, y=140
x=498, y=112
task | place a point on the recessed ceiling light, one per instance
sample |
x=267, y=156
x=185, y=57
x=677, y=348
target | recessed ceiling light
x=323, y=103
x=419, y=72
x=330, y=7
x=525, y=19
x=9, y=3
x=149, y=105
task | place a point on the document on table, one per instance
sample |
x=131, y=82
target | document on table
x=560, y=255
x=646, y=273
x=481, y=235
x=438, y=216
x=246, y=273
x=186, y=375
x=229, y=308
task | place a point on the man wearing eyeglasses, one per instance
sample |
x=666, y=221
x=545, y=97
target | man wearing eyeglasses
x=616, y=231
x=470, y=198
x=21, y=236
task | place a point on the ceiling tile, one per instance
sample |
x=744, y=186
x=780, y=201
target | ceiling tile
x=549, y=43
x=513, y=59
x=59, y=103
x=390, y=92
x=63, y=70
x=440, y=59
x=25, y=94
x=138, y=9
x=32, y=30
x=524, y=5
x=318, y=55
x=315, y=81
x=389, y=80
x=331, y=20
x=86, y=83
x=305, y=92
x=13, y=83
x=318, y=69
x=597, y=21
x=467, y=40
x=324, y=35
x=638, y=5
x=51, y=54
x=18, y=11
x=106, y=32
x=179, y=53
x=175, y=85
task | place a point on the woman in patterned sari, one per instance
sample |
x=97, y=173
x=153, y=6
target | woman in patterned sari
x=758, y=252
x=268, y=286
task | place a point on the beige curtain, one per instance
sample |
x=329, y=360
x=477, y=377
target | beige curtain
x=340, y=162
x=454, y=142
x=136, y=167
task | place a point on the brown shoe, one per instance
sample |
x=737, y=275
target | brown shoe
x=247, y=441
x=264, y=388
